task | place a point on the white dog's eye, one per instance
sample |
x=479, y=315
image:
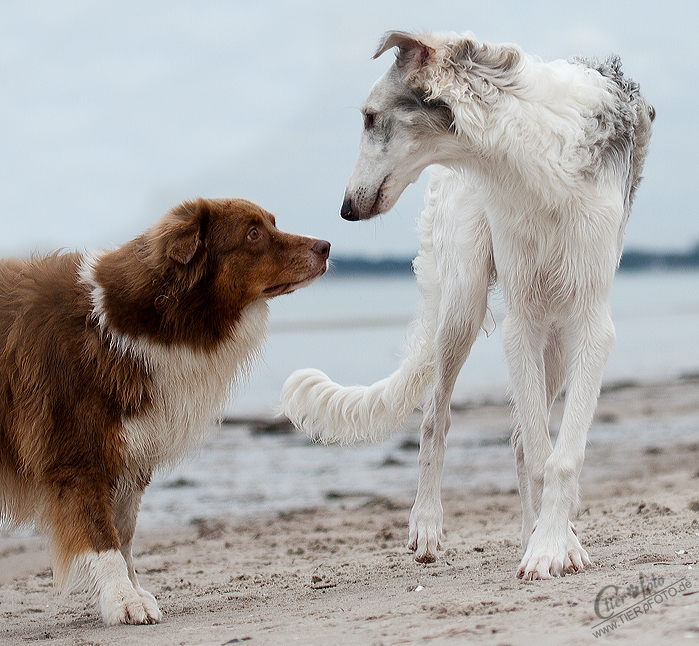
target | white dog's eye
x=369, y=120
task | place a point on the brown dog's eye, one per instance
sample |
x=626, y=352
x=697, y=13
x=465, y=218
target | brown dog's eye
x=254, y=234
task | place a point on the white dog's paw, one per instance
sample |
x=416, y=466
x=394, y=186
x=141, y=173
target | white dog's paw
x=539, y=565
x=577, y=558
x=545, y=556
x=549, y=555
x=425, y=534
x=122, y=604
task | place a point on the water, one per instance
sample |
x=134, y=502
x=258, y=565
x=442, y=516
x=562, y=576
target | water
x=354, y=330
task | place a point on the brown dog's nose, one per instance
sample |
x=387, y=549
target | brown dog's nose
x=322, y=248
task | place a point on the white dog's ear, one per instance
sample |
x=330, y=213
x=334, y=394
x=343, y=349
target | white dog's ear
x=411, y=49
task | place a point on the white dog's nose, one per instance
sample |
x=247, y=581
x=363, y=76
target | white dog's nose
x=346, y=210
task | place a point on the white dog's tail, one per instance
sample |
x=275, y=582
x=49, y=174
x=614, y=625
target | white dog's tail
x=334, y=413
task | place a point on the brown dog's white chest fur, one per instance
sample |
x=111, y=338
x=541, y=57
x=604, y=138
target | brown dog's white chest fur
x=189, y=387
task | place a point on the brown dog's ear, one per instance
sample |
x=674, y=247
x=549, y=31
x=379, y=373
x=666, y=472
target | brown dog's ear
x=411, y=49
x=188, y=233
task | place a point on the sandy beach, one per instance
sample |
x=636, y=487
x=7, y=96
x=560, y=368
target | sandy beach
x=341, y=574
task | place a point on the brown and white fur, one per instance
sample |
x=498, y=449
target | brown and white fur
x=116, y=363
x=538, y=164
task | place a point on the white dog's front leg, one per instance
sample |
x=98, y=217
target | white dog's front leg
x=427, y=515
x=553, y=550
x=577, y=557
x=554, y=547
x=524, y=344
x=531, y=477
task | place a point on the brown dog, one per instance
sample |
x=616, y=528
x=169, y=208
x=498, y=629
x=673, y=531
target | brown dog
x=115, y=363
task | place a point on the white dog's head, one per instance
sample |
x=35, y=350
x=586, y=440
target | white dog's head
x=400, y=135
x=409, y=115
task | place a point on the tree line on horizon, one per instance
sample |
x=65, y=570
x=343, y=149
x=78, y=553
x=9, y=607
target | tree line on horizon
x=631, y=260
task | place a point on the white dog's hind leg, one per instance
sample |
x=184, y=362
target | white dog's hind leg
x=554, y=547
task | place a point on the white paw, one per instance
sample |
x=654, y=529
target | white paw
x=577, y=558
x=540, y=564
x=120, y=603
x=551, y=554
x=425, y=534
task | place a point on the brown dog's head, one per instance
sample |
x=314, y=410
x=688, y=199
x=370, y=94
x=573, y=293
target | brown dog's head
x=239, y=244
x=189, y=277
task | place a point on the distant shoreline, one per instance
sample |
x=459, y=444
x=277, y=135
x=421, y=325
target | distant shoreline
x=631, y=261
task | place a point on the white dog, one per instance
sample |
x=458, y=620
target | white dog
x=538, y=167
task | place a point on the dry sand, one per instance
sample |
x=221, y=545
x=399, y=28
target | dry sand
x=342, y=575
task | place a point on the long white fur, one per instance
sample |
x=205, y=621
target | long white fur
x=534, y=190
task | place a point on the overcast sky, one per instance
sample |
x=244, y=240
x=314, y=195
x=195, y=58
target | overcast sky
x=111, y=112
